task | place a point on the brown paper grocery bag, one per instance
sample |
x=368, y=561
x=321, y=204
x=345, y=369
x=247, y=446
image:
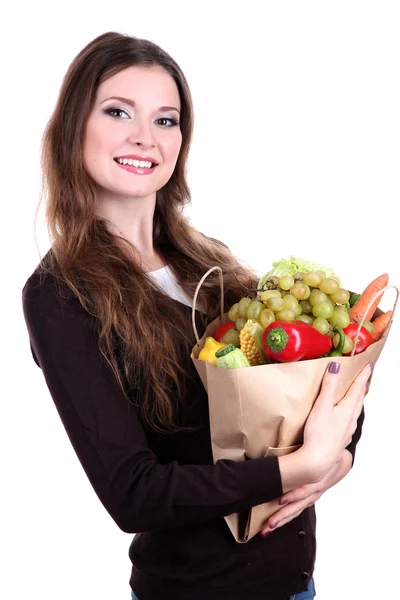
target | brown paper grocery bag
x=261, y=411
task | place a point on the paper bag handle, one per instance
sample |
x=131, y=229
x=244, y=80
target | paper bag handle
x=374, y=297
x=196, y=294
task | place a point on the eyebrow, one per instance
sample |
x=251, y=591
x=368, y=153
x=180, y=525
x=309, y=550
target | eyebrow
x=133, y=104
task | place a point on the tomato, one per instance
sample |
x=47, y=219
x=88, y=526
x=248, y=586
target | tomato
x=222, y=329
x=364, y=337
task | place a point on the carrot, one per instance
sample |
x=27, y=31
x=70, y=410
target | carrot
x=380, y=324
x=357, y=311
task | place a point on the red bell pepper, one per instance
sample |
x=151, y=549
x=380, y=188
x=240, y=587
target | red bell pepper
x=364, y=337
x=222, y=329
x=288, y=341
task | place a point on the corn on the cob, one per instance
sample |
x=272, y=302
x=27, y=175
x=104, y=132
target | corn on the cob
x=250, y=340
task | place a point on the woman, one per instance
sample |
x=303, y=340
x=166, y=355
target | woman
x=108, y=312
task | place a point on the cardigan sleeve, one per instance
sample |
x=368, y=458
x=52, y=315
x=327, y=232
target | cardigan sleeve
x=105, y=430
x=356, y=436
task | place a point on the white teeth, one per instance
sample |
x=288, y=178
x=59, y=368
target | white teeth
x=135, y=163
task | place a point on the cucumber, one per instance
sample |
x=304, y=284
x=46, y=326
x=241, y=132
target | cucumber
x=225, y=350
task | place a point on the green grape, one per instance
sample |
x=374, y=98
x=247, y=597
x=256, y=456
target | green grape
x=317, y=296
x=243, y=306
x=369, y=326
x=232, y=337
x=301, y=291
x=341, y=307
x=285, y=315
x=321, y=272
x=348, y=343
x=298, y=311
x=267, y=317
x=305, y=319
x=286, y=282
x=270, y=294
x=328, y=285
x=312, y=278
x=298, y=276
x=339, y=318
x=306, y=307
x=233, y=314
x=290, y=302
x=240, y=323
x=275, y=304
x=271, y=283
x=341, y=296
x=254, y=310
x=321, y=325
x=323, y=309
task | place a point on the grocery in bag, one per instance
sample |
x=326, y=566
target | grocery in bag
x=261, y=411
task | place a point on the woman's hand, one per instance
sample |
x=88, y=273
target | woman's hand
x=294, y=502
x=327, y=432
x=329, y=427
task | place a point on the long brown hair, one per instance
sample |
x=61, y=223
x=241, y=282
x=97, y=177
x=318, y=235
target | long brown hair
x=143, y=334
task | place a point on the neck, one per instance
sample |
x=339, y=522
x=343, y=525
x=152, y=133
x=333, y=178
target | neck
x=132, y=219
x=153, y=262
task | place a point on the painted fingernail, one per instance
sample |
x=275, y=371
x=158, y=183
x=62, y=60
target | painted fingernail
x=273, y=524
x=371, y=366
x=283, y=501
x=334, y=368
x=266, y=532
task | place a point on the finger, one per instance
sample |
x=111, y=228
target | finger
x=352, y=427
x=289, y=512
x=361, y=398
x=356, y=389
x=354, y=421
x=358, y=408
x=362, y=380
x=330, y=382
x=300, y=493
x=283, y=520
x=284, y=517
x=291, y=517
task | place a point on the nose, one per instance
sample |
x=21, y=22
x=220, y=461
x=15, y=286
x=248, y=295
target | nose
x=142, y=134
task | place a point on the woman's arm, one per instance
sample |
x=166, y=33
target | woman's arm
x=297, y=500
x=139, y=492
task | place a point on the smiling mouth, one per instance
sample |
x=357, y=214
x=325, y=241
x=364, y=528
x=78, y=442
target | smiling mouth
x=138, y=164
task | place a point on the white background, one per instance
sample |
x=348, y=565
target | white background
x=296, y=151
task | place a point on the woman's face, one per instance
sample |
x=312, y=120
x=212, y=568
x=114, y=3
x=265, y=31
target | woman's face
x=132, y=138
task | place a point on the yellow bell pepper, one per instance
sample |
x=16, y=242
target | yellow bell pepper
x=211, y=346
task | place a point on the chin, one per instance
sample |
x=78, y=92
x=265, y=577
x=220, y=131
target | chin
x=141, y=192
x=137, y=191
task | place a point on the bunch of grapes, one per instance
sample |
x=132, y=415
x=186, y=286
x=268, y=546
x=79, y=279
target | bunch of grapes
x=310, y=297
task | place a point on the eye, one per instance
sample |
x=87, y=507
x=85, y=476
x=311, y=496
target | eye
x=167, y=122
x=117, y=113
